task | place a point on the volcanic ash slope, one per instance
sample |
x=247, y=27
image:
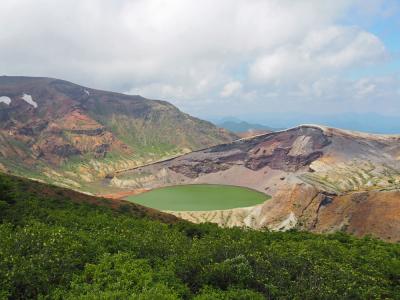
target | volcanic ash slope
x=320, y=179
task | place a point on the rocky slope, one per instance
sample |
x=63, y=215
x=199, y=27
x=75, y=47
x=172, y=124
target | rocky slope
x=320, y=179
x=63, y=133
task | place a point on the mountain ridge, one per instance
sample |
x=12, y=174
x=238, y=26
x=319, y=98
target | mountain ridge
x=245, y=129
x=321, y=179
x=55, y=128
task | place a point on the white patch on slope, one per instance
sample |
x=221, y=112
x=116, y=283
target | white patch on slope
x=28, y=99
x=301, y=146
x=87, y=92
x=5, y=99
x=289, y=223
x=255, y=212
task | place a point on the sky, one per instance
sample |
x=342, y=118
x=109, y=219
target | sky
x=258, y=60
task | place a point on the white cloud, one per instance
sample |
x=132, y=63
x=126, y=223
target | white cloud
x=231, y=88
x=127, y=42
x=328, y=50
x=189, y=52
x=364, y=87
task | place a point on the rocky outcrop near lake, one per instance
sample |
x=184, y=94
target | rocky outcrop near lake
x=320, y=179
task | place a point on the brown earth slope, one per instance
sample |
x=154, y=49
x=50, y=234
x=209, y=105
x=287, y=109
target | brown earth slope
x=320, y=179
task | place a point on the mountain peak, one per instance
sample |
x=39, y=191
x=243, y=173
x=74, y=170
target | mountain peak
x=49, y=124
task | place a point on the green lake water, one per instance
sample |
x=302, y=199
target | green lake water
x=196, y=197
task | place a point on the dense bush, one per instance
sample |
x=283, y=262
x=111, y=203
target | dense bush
x=54, y=248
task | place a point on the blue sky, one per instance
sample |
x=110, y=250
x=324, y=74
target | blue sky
x=382, y=20
x=252, y=59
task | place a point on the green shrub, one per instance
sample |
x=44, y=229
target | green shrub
x=54, y=248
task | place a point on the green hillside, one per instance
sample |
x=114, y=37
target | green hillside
x=59, y=244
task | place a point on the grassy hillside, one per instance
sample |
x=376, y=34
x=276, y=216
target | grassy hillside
x=58, y=244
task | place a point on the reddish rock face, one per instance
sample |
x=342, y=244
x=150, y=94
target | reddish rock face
x=58, y=128
x=374, y=212
x=282, y=161
x=55, y=140
x=67, y=121
x=287, y=151
x=203, y=167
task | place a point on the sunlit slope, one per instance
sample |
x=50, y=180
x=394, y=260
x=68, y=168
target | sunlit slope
x=73, y=136
x=320, y=179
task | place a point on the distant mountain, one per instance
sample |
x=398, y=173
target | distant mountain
x=242, y=126
x=67, y=134
x=320, y=179
x=366, y=122
x=245, y=129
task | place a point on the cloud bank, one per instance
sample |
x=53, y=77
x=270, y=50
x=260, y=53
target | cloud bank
x=208, y=57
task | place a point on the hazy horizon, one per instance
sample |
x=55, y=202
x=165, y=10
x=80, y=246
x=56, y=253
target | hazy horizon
x=370, y=122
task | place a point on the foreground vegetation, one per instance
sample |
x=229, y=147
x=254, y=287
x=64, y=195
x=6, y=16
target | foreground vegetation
x=55, y=247
x=199, y=197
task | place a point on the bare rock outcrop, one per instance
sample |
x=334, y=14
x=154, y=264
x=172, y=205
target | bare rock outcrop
x=320, y=179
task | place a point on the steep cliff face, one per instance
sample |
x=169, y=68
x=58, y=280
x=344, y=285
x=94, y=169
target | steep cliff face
x=320, y=179
x=59, y=131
